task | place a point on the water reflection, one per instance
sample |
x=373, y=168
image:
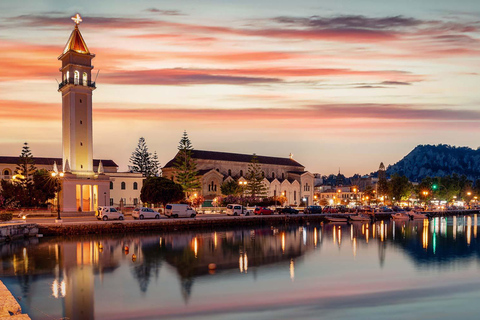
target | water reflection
x=70, y=268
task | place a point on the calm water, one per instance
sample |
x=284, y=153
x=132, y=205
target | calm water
x=402, y=270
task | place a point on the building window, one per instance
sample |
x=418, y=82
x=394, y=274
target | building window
x=76, y=77
x=6, y=173
x=84, y=78
x=212, y=187
x=67, y=76
x=294, y=195
x=241, y=173
x=123, y=185
x=111, y=185
x=273, y=175
x=135, y=186
x=283, y=175
x=111, y=201
x=229, y=172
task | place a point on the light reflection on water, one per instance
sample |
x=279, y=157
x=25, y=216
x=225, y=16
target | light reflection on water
x=343, y=271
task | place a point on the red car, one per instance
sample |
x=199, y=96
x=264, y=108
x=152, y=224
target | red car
x=262, y=211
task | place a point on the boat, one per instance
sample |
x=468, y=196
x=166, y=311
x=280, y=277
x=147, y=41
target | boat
x=417, y=215
x=400, y=216
x=360, y=218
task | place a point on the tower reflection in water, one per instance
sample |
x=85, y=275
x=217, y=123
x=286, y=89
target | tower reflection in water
x=73, y=266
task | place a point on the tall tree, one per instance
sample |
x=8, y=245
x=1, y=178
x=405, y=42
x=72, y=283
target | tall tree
x=143, y=161
x=186, y=173
x=255, y=176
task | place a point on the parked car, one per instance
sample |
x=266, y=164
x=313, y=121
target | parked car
x=312, y=209
x=288, y=210
x=177, y=210
x=145, y=213
x=262, y=211
x=106, y=213
x=237, y=210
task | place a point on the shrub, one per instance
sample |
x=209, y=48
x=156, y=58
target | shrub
x=6, y=216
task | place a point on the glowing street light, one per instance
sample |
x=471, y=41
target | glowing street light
x=57, y=176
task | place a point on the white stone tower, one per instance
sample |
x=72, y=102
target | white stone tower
x=76, y=88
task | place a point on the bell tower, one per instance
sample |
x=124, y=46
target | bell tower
x=76, y=88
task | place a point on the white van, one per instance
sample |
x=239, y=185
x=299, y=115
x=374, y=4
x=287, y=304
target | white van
x=177, y=210
x=237, y=210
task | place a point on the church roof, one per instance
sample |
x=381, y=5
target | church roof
x=50, y=161
x=238, y=157
x=76, y=43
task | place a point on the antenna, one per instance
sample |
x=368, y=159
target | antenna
x=97, y=75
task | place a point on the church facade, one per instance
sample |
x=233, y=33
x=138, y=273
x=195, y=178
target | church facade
x=282, y=176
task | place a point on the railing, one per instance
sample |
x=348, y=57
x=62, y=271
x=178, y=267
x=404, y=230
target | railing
x=76, y=82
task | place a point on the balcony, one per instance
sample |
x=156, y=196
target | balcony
x=76, y=82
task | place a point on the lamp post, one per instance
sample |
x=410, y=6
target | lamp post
x=57, y=177
x=105, y=198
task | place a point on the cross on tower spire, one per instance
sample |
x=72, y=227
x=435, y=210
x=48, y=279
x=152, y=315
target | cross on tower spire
x=77, y=19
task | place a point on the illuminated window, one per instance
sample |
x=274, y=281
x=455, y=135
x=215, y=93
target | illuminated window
x=85, y=78
x=76, y=77
x=68, y=76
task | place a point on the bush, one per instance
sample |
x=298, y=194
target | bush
x=6, y=216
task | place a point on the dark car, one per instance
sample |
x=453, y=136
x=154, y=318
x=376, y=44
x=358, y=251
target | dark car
x=262, y=211
x=312, y=209
x=288, y=210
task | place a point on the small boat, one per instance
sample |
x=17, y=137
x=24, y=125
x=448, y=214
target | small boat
x=416, y=215
x=400, y=216
x=359, y=218
x=336, y=220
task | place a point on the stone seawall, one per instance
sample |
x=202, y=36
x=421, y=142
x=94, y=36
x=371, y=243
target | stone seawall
x=17, y=230
x=82, y=228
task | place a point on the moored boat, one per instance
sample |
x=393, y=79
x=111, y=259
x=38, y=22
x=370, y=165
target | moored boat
x=417, y=215
x=360, y=218
x=400, y=216
x=336, y=220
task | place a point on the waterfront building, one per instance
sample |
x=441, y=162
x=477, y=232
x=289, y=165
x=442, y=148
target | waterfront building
x=282, y=176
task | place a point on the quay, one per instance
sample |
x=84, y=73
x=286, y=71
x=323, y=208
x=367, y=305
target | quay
x=9, y=307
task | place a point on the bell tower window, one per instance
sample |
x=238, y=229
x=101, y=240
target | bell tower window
x=76, y=76
x=67, y=77
x=85, y=77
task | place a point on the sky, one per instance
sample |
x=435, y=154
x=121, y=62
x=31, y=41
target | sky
x=339, y=84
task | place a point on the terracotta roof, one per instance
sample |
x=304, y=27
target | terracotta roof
x=238, y=157
x=76, y=43
x=49, y=161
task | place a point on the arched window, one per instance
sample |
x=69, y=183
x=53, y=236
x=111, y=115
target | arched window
x=241, y=173
x=273, y=175
x=76, y=77
x=111, y=185
x=123, y=185
x=85, y=78
x=283, y=175
x=135, y=186
x=229, y=172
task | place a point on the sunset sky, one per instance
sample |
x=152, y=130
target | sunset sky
x=337, y=83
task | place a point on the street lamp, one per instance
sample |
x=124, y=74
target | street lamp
x=57, y=177
x=105, y=198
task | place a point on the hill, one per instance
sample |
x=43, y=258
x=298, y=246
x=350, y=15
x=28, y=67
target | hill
x=440, y=160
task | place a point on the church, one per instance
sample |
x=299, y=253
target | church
x=86, y=182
